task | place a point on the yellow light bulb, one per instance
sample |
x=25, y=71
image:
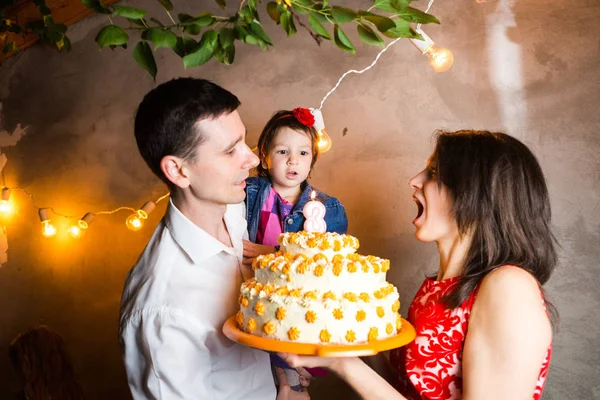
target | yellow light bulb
x=6, y=208
x=440, y=59
x=78, y=230
x=324, y=142
x=48, y=230
x=135, y=222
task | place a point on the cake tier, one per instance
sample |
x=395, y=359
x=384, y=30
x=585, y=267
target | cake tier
x=315, y=316
x=312, y=243
x=353, y=272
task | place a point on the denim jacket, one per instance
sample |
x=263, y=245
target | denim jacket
x=257, y=189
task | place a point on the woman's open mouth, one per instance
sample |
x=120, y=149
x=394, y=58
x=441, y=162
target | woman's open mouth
x=420, y=208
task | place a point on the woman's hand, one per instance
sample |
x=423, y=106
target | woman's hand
x=285, y=391
x=253, y=250
x=353, y=370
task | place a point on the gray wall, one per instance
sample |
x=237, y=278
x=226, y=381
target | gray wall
x=528, y=68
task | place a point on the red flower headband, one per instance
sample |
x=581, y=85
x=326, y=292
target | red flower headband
x=304, y=116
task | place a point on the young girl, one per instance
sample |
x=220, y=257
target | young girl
x=483, y=331
x=287, y=149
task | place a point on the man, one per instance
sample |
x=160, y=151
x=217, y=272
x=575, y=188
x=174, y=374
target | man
x=186, y=282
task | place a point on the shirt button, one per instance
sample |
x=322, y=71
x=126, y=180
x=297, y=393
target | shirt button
x=290, y=221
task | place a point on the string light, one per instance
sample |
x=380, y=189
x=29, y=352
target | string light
x=78, y=229
x=135, y=221
x=441, y=59
x=48, y=230
x=6, y=207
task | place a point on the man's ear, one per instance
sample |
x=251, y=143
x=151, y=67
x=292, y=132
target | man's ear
x=175, y=171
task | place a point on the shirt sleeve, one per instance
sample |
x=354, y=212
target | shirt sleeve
x=336, y=219
x=166, y=357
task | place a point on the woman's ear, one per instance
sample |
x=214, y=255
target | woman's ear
x=175, y=171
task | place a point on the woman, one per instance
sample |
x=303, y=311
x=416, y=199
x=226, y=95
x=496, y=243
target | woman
x=482, y=198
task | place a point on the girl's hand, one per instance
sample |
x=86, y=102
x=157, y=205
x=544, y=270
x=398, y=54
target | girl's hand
x=285, y=391
x=253, y=250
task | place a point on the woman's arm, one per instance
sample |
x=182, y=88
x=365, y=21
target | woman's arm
x=366, y=382
x=507, y=339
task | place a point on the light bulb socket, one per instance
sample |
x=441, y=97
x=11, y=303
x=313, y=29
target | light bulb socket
x=146, y=209
x=319, y=122
x=6, y=194
x=44, y=214
x=87, y=219
x=422, y=45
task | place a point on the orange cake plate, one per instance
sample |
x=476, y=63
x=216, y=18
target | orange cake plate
x=402, y=338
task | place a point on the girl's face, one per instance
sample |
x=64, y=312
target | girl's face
x=289, y=159
x=434, y=221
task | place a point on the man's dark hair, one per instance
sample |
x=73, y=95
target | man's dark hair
x=166, y=117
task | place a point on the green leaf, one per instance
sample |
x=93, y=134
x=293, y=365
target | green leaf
x=273, y=11
x=157, y=22
x=287, y=21
x=144, y=57
x=53, y=36
x=203, y=51
x=417, y=16
x=251, y=39
x=342, y=41
x=392, y=6
x=160, y=37
x=96, y=5
x=382, y=23
x=258, y=31
x=111, y=35
x=240, y=32
x=247, y=14
x=192, y=29
x=367, y=35
x=342, y=15
x=252, y=4
x=128, y=12
x=226, y=37
x=204, y=19
x=66, y=44
x=184, y=46
x=228, y=54
x=318, y=27
x=136, y=21
x=221, y=3
x=402, y=29
x=167, y=5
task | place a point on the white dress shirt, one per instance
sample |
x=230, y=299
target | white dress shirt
x=175, y=302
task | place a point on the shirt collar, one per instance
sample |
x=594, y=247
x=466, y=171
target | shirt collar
x=198, y=244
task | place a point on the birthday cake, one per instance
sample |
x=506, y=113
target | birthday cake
x=317, y=289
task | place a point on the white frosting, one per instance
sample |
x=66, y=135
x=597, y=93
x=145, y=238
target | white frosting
x=334, y=292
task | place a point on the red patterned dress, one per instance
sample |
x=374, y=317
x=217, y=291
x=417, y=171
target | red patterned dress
x=430, y=367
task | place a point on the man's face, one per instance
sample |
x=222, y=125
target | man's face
x=222, y=162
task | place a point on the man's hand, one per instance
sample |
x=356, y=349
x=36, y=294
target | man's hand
x=285, y=391
x=253, y=250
